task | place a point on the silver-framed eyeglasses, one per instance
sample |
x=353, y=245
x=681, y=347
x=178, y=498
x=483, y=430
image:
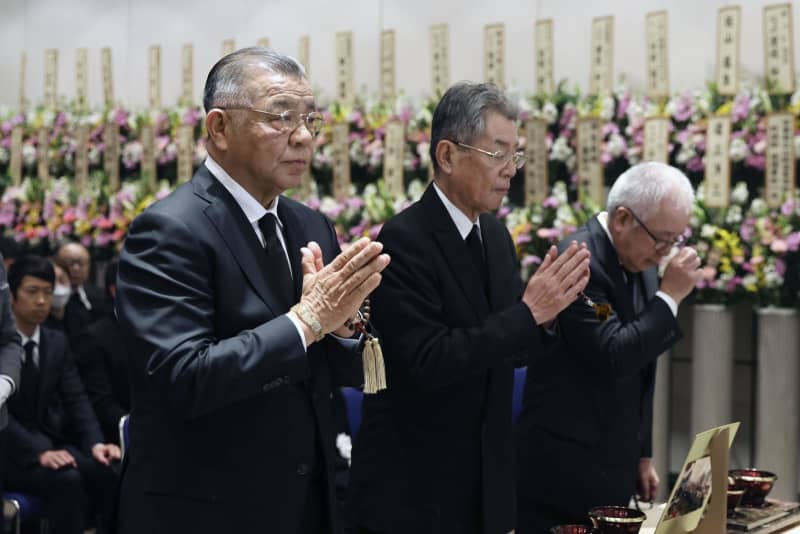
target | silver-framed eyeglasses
x=677, y=241
x=289, y=120
x=500, y=156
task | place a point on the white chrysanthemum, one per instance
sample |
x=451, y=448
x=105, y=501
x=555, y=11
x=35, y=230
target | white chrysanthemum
x=758, y=207
x=550, y=112
x=132, y=153
x=738, y=149
x=708, y=231
x=750, y=280
x=345, y=446
x=357, y=153
x=740, y=194
x=772, y=278
x=700, y=192
x=415, y=190
x=734, y=215
x=560, y=192
x=561, y=150
x=616, y=145
x=634, y=111
x=28, y=154
x=686, y=153
x=94, y=156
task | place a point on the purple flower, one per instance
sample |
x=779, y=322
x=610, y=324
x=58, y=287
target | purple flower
x=780, y=267
x=622, y=106
x=503, y=212
x=793, y=242
x=522, y=239
x=788, y=207
x=550, y=202
x=741, y=108
x=683, y=111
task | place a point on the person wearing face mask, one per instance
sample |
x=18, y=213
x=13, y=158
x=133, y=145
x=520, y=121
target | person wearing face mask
x=86, y=303
x=102, y=364
x=61, y=294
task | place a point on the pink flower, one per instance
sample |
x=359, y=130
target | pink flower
x=779, y=246
x=788, y=207
x=530, y=259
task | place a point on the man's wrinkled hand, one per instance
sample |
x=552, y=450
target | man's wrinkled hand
x=334, y=292
x=557, y=282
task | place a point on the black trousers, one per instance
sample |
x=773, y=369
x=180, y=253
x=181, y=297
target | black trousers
x=67, y=492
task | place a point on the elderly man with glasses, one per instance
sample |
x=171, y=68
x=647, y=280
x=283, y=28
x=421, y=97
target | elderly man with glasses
x=226, y=291
x=434, y=451
x=584, y=434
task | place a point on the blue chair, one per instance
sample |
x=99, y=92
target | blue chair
x=124, y=434
x=519, y=386
x=352, y=402
x=23, y=508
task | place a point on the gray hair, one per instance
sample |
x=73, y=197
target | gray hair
x=461, y=113
x=226, y=85
x=644, y=186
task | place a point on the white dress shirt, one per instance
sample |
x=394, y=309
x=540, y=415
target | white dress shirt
x=461, y=221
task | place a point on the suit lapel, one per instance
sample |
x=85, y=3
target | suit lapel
x=604, y=252
x=237, y=233
x=294, y=232
x=455, y=251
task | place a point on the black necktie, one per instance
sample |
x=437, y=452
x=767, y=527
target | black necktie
x=277, y=268
x=475, y=247
x=635, y=291
x=28, y=379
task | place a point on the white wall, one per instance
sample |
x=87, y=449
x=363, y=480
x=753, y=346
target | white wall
x=129, y=27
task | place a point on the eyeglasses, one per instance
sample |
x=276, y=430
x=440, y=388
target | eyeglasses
x=519, y=158
x=288, y=121
x=677, y=241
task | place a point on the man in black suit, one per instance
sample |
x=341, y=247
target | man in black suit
x=103, y=364
x=10, y=363
x=434, y=451
x=231, y=377
x=584, y=434
x=55, y=448
x=87, y=302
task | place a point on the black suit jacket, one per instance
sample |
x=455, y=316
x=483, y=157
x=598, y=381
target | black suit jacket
x=102, y=360
x=228, y=408
x=62, y=413
x=10, y=348
x=434, y=451
x=77, y=317
x=587, y=408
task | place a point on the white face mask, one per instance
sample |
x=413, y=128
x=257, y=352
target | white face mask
x=61, y=295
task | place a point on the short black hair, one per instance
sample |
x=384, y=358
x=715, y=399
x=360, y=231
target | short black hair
x=9, y=247
x=30, y=265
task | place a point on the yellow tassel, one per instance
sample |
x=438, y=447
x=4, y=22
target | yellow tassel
x=374, y=369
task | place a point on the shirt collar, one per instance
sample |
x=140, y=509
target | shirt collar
x=602, y=218
x=251, y=207
x=34, y=337
x=462, y=222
